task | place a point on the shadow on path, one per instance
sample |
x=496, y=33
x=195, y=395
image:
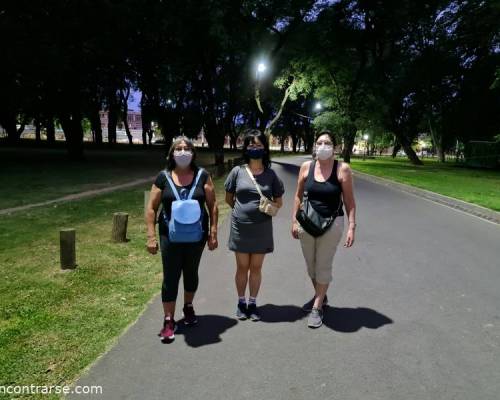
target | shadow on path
x=340, y=319
x=347, y=320
x=208, y=330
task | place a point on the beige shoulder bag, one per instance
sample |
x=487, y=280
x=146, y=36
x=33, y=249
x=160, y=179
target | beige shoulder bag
x=266, y=206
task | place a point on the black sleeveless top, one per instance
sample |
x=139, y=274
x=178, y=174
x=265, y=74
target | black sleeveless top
x=325, y=197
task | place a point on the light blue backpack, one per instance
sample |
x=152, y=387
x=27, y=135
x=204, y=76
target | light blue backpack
x=185, y=225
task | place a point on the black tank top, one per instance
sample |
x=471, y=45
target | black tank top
x=325, y=197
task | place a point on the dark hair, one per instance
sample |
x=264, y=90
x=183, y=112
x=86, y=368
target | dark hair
x=170, y=155
x=250, y=137
x=330, y=135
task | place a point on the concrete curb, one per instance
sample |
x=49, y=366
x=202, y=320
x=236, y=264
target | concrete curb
x=469, y=208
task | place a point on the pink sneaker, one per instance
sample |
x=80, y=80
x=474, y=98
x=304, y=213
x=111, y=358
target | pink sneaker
x=169, y=328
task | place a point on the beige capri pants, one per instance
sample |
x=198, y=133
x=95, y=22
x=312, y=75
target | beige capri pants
x=319, y=252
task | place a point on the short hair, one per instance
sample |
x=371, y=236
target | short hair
x=330, y=135
x=250, y=137
x=170, y=155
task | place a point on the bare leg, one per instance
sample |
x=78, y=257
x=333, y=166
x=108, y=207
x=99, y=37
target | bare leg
x=256, y=261
x=169, y=309
x=241, y=277
x=321, y=289
x=188, y=297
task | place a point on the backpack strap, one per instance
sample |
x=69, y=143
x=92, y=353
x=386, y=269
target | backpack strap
x=193, y=188
x=191, y=192
x=172, y=186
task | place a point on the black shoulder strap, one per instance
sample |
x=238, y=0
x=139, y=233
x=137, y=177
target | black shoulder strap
x=334, y=176
x=310, y=176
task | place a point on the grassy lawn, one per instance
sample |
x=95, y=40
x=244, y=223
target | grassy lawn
x=53, y=324
x=477, y=186
x=31, y=175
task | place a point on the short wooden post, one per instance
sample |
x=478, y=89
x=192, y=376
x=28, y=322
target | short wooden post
x=146, y=201
x=120, y=221
x=67, y=240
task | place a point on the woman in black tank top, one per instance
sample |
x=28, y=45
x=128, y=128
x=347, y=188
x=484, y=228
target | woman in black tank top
x=328, y=184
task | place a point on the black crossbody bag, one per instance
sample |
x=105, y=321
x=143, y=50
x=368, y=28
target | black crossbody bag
x=312, y=222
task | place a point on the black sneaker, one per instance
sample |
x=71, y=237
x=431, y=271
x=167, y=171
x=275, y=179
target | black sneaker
x=189, y=315
x=253, y=312
x=309, y=305
x=241, y=311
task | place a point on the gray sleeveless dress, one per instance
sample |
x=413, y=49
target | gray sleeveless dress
x=251, y=230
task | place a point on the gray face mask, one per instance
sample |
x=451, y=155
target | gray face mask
x=324, y=152
x=183, y=158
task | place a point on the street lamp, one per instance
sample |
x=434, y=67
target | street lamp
x=261, y=67
x=366, y=137
x=318, y=106
x=169, y=101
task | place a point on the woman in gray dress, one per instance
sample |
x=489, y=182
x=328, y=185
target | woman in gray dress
x=251, y=235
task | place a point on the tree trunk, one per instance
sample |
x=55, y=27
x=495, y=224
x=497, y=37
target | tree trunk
x=395, y=149
x=8, y=123
x=95, y=123
x=348, y=144
x=145, y=121
x=112, y=118
x=124, y=100
x=406, y=145
x=38, y=129
x=51, y=130
x=437, y=141
x=73, y=132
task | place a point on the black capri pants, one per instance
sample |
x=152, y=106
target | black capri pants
x=179, y=258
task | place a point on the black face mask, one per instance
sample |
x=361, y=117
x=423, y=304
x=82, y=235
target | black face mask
x=255, y=154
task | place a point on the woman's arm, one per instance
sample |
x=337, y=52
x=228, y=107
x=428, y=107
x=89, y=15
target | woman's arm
x=230, y=199
x=350, y=203
x=151, y=209
x=213, y=212
x=297, y=200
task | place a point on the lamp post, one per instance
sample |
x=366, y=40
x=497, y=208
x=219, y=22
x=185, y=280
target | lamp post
x=366, y=137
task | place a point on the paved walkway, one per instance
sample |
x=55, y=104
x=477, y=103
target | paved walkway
x=415, y=316
x=81, y=195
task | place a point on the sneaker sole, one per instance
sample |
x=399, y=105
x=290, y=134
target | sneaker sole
x=189, y=323
x=241, y=317
x=315, y=326
x=254, y=318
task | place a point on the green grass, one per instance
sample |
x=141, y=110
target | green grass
x=53, y=324
x=32, y=175
x=476, y=186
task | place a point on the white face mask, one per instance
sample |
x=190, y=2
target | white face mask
x=324, y=152
x=183, y=158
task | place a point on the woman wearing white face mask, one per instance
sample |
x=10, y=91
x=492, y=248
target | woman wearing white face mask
x=328, y=184
x=178, y=258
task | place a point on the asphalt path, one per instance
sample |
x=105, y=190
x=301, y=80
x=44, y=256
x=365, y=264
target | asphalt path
x=415, y=314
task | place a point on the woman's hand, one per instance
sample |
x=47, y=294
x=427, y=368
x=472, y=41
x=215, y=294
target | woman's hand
x=349, y=240
x=212, y=241
x=295, y=230
x=152, y=245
